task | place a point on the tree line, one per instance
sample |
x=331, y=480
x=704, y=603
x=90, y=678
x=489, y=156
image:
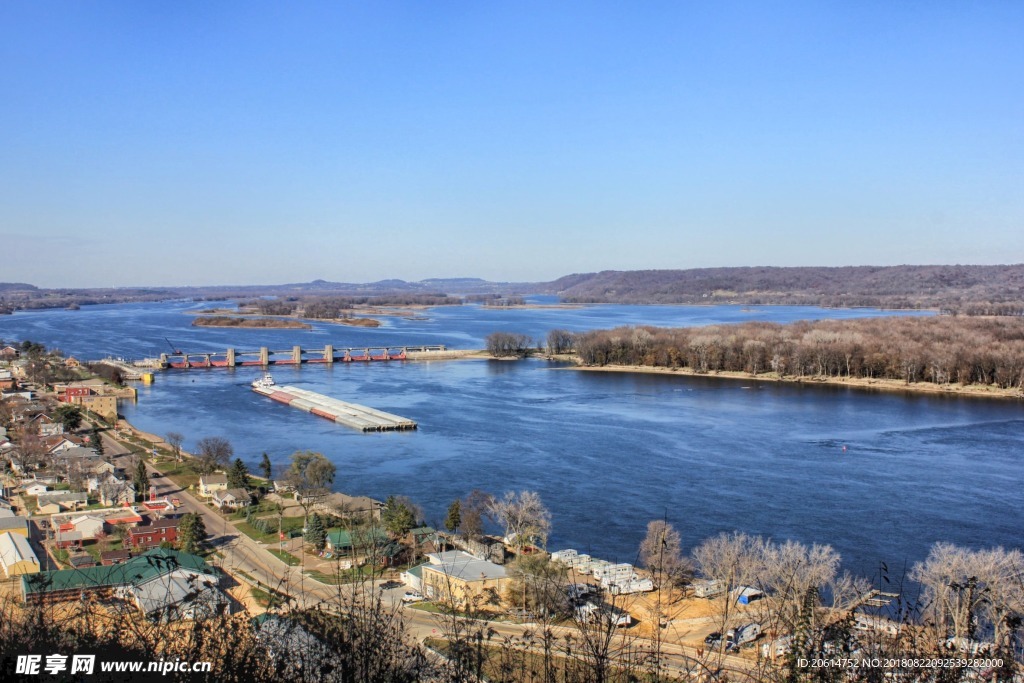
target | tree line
x=977, y=290
x=327, y=307
x=941, y=350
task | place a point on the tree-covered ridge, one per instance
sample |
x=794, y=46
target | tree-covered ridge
x=942, y=350
x=967, y=289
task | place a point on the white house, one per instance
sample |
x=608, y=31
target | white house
x=36, y=489
x=208, y=483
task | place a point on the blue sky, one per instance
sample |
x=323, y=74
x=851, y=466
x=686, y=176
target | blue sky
x=246, y=142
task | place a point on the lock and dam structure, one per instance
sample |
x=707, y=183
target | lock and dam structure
x=296, y=355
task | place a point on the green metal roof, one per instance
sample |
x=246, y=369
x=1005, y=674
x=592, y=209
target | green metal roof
x=150, y=565
x=343, y=539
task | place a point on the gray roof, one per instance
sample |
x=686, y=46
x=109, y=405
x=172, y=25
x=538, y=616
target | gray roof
x=62, y=497
x=15, y=548
x=12, y=523
x=460, y=565
x=175, y=588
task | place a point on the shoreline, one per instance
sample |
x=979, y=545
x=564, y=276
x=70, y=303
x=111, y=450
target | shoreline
x=889, y=385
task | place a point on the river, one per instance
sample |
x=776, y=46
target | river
x=606, y=452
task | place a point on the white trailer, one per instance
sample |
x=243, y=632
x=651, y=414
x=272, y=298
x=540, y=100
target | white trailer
x=599, y=567
x=564, y=556
x=708, y=588
x=635, y=585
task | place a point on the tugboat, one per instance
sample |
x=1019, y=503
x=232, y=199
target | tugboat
x=264, y=382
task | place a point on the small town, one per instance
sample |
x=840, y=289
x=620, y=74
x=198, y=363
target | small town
x=94, y=512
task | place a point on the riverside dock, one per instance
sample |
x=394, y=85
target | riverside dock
x=352, y=415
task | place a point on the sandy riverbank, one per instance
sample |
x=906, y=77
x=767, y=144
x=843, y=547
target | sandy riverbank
x=974, y=390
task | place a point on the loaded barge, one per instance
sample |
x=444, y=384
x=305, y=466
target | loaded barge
x=348, y=414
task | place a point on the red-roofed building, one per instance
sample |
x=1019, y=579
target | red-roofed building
x=127, y=516
x=153, y=534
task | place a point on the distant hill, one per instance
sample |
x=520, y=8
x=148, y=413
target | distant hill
x=978, y=290
x=975, y=289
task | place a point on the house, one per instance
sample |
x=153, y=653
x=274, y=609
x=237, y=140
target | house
x=153, y=534
x=72, y=362
x=115, y=556
x=413, y=578
x=36, y=489
x=208, y=483
x=67, y=539
x=88, y=525
x=126, y=516
x=16, y=555
x=66, y=499
x=180, y=594
x=46, y=425
x=232, y=498
x=58, y=443
x=361, y=507
x=7, y=380
x=9, y=353
x=359, y=542
x=122, y=580
x=111, y=489
x=459, y=579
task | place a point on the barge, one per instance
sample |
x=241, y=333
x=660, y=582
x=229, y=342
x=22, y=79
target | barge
x=352, y=415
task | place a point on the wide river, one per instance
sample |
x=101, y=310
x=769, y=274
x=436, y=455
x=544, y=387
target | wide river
x=607, y=452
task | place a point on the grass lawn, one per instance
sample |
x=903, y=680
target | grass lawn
x=266, y=598
x=364, y=573
x=285, y=557
x=287, y=524
x=182, y=473
x=61, y=555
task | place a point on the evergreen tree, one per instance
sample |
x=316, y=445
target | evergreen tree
x=398, y=515
x=316, y=535
x=140, y=477
x=191, y=532
x=69, y=415
x=454, y=518
x=95, y=441
x=266, y=468
x=238, y=475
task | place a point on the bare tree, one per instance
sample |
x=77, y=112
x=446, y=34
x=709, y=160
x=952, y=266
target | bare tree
x=175, y=440
x=214, y=452
x=972, y=592
x=475, y=507
x=524, y=518
x=733, y=560
x=661, y=552
x=311, y=476
x=792, y=574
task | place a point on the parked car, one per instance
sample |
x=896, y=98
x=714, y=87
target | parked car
x=712, y=638
x=412, y=596
x=388, y=585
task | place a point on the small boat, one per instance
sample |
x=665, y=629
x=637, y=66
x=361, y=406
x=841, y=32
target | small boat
x=264, y=382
